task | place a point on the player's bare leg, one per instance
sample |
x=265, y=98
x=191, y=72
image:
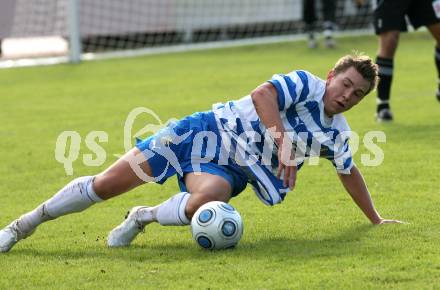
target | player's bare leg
x=435, y=31
x=204, y=188
x=79, y=195
x=177, y=211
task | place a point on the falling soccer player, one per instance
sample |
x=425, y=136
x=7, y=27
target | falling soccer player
x=215, y=154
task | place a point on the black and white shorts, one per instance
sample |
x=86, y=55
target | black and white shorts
x=390, y=14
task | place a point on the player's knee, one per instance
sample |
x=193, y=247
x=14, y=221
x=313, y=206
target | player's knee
x=393, y=41
x=388, y=44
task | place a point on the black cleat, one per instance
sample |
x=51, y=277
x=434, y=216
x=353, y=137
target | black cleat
x=384, y=115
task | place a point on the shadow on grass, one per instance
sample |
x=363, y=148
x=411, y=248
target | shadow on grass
x=343, y=244
x=279, y=248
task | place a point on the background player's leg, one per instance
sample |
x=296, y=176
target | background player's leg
x=329, y=13
x=78, y=195
x=435, y=31
x=309, y=18
x=388, y=42
x=176, y=211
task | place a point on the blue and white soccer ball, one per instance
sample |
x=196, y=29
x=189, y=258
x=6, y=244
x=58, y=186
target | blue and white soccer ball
x=216, y=225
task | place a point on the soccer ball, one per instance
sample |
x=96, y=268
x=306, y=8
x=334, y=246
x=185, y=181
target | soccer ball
x=216, y=225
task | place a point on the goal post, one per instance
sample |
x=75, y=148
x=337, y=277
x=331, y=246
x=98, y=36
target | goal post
x=75, y=30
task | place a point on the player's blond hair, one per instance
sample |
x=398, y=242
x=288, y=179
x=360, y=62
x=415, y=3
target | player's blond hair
x=364, y=66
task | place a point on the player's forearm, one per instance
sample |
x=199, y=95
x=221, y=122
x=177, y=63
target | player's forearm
x=355, y=185
x=266, y=104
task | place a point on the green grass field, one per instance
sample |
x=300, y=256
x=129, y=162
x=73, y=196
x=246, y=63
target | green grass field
x=317, y=238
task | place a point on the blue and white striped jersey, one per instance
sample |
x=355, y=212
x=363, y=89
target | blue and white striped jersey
x=300, y=102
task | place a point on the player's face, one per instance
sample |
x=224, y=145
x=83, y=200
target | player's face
x=344, y=90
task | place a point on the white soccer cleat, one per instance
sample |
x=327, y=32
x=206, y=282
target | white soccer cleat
x=124, y=234
x=8, y=237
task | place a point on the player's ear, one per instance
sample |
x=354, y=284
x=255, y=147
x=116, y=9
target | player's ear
x=330, y=75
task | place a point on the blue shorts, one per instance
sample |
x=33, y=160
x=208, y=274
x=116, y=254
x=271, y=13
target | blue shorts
x=191, y=144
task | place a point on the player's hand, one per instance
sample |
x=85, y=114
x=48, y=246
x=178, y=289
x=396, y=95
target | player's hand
x=286, y=165
x=387, y=221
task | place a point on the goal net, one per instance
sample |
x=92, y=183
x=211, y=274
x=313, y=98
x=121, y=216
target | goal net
x=42, y=28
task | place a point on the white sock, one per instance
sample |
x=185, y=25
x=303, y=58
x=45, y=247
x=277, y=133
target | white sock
x=74, y=197
x=169, y=213
x=147, y=215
